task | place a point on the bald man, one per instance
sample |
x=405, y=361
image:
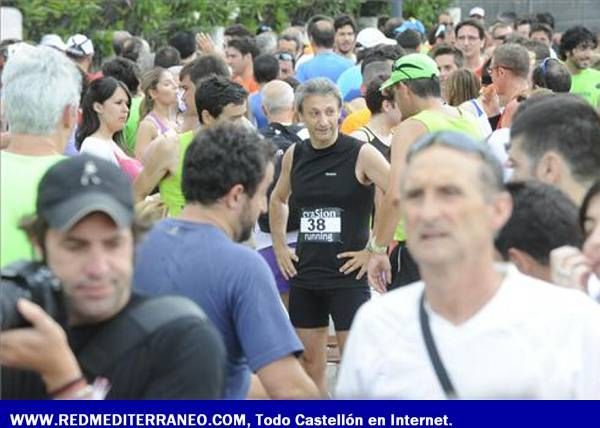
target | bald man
x=278, y=106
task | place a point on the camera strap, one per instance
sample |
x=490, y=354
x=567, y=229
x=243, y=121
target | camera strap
x=131, y=328
x=434, y=356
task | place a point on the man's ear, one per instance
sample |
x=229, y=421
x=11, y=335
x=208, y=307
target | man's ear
x=207, y=118
x=234, y=198
x=502, y=210
x=69, y=117
x=550, y=168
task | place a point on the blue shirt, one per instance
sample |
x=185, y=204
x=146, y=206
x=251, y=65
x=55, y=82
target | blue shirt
x=255, y=102
x=326, y=64
x=349, y=82
x=231, y=283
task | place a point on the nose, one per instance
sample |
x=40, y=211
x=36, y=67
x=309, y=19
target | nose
x=430, y=207
x=97, y=265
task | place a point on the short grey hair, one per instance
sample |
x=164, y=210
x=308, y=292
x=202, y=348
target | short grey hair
x=491, y=173
x=37, y=85
x=319, y=86
x=266, y=42
x=277, y=96
x=514, y=57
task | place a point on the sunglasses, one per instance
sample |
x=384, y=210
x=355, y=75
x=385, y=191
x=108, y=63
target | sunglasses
x=403, y=67
x=497, y=66
x=284, y=56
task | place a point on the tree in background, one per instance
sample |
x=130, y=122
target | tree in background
x=156, y=20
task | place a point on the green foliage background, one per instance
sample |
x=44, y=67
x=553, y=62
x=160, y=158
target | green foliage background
x=156, y=20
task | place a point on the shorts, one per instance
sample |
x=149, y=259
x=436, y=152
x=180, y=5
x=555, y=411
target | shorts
x=283, y=285
x=311, y=308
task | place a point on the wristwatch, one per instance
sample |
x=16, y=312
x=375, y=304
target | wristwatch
x=373, y=248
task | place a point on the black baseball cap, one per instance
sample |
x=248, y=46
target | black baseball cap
x=78, y=186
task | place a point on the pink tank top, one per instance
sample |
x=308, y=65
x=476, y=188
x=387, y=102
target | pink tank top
x=131, y=166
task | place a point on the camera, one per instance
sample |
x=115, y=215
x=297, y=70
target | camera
x=32, y=281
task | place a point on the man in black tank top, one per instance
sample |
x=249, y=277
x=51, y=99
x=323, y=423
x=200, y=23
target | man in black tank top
x=331, y=176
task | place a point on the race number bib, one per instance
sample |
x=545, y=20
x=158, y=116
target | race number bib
x=321, y=225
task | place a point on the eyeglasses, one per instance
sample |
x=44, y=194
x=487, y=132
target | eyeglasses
x=497, y=66
x=448, y=24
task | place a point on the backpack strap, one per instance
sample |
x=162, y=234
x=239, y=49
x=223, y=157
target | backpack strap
x=290, y=135
x=131, y=328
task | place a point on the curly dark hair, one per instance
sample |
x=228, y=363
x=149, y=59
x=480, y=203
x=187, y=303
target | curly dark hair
x=221, y=157
x=125, y=70
x=215, y=92
x=575, y=36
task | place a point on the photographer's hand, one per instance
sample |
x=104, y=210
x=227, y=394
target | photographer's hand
x=43, y=348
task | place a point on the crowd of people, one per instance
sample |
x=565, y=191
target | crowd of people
x=197, y=221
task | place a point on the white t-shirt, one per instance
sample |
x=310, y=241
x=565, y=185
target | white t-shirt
x=531, y=340
x=102, y=148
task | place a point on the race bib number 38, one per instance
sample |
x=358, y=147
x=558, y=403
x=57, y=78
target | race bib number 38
x=321, y=225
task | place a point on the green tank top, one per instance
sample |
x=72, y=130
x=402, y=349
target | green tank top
x=436, y=121
x=170, y=186
x=132, y=124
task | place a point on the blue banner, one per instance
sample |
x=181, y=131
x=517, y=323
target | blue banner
x=258, y=414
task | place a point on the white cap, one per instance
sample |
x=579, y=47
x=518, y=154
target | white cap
x=369, y=37
x=53, y=41
x=477, y=11
x=80, y=45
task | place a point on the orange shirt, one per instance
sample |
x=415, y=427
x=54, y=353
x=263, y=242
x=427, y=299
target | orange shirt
x=355, y=120
x=249, y=84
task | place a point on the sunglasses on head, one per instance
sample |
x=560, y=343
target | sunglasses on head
x=284, y=56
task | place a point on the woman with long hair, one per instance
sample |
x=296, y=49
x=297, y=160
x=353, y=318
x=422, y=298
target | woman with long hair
x=105, y=108
x=157, y=108
x=574, y=267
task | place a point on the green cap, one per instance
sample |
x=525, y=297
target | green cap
x=410, y=67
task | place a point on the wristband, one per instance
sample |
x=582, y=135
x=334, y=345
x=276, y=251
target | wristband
x=66, y=387
x=373, y=248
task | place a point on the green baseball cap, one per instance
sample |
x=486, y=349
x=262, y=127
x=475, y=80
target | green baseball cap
x=410, y=67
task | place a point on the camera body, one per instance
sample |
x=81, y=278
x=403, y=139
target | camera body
x=32, y=281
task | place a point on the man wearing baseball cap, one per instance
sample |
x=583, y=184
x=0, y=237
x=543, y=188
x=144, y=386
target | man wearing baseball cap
x=81, y=51
x=107, y=341
x=415, y=85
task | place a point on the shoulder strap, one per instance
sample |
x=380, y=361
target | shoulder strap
x=367, y=132
x=292, y=136
x=434, y=356
x=131, y=328
x=477, y=108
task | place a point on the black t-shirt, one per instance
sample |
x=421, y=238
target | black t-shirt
x=335, y=209
x=184, y=359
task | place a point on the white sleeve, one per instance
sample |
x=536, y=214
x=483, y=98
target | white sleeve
x=589, y=380
x=350, y=383
x=96, y=148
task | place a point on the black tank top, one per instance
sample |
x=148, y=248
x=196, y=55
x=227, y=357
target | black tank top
x=377, y=143
x=334, y=212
